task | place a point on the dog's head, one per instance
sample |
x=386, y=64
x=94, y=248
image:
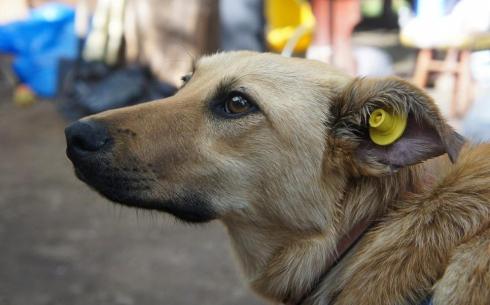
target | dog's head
x=247, y=132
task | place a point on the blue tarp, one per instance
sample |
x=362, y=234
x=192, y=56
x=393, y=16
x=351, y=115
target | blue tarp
x=38, y=43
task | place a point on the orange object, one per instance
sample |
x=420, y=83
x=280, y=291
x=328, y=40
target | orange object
x=23, y=96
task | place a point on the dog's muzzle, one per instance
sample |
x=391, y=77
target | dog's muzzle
x=93, y=152
x=90, y=147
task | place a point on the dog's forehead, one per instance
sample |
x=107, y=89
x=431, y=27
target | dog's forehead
x=240, y=58
x=245, y=63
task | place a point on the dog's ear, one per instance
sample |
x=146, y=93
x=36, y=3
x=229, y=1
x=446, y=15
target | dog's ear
x=425, y=136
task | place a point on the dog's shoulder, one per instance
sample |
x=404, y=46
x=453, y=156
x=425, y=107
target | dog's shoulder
x=435, y=232
x=468, y=176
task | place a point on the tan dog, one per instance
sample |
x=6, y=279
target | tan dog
x=278, y=150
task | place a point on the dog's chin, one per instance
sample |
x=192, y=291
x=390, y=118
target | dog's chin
x=189, y=207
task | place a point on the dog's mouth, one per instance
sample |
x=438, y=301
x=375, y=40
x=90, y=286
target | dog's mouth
x=137, y=187
x=120, y=184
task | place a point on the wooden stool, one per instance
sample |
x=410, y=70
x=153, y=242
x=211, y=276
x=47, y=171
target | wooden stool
x=456, y=62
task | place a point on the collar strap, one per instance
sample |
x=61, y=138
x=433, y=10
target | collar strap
x=343, y=246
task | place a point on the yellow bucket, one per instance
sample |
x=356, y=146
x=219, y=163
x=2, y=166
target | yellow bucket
x=287, y=19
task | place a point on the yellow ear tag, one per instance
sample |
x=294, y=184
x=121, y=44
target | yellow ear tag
x=386, y=128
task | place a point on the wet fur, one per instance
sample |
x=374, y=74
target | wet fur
x=289, y=181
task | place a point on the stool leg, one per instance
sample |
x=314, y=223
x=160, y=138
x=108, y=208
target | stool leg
x=452, y=64
x=465, y=84
x=422, y=67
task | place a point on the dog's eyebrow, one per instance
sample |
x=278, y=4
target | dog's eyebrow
x=224, y=87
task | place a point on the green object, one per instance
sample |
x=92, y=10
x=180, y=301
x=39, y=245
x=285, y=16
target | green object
x=372, y=8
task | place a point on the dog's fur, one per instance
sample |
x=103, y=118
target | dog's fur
x=288, y=181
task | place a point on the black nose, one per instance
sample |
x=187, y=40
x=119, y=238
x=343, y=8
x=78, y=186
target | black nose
x=86, y=136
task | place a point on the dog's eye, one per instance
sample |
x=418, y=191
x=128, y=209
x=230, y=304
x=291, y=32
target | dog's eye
x=186, y=78
x=233, y=105
x=238, y=104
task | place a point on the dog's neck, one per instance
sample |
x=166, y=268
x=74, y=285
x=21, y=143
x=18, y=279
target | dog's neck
x=284, y=256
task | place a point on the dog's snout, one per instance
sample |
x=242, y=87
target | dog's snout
x=87, y=136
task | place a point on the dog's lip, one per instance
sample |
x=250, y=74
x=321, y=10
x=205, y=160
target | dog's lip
x=134, y=196
x=136, y=199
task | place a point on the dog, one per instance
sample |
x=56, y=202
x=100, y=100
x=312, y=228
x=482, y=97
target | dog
x=278, y=149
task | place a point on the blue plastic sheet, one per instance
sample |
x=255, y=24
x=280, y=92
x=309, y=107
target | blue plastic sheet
x=38, y=43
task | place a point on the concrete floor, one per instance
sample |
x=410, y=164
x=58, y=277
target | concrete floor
x=61, y=243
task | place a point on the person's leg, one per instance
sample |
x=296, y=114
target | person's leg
x=346, y=15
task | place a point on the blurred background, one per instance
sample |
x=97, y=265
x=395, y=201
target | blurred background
x=60, y=243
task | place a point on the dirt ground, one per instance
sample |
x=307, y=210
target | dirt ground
x=61, y=243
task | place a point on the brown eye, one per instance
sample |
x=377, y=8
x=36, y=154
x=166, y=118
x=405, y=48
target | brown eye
x=237, y=104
